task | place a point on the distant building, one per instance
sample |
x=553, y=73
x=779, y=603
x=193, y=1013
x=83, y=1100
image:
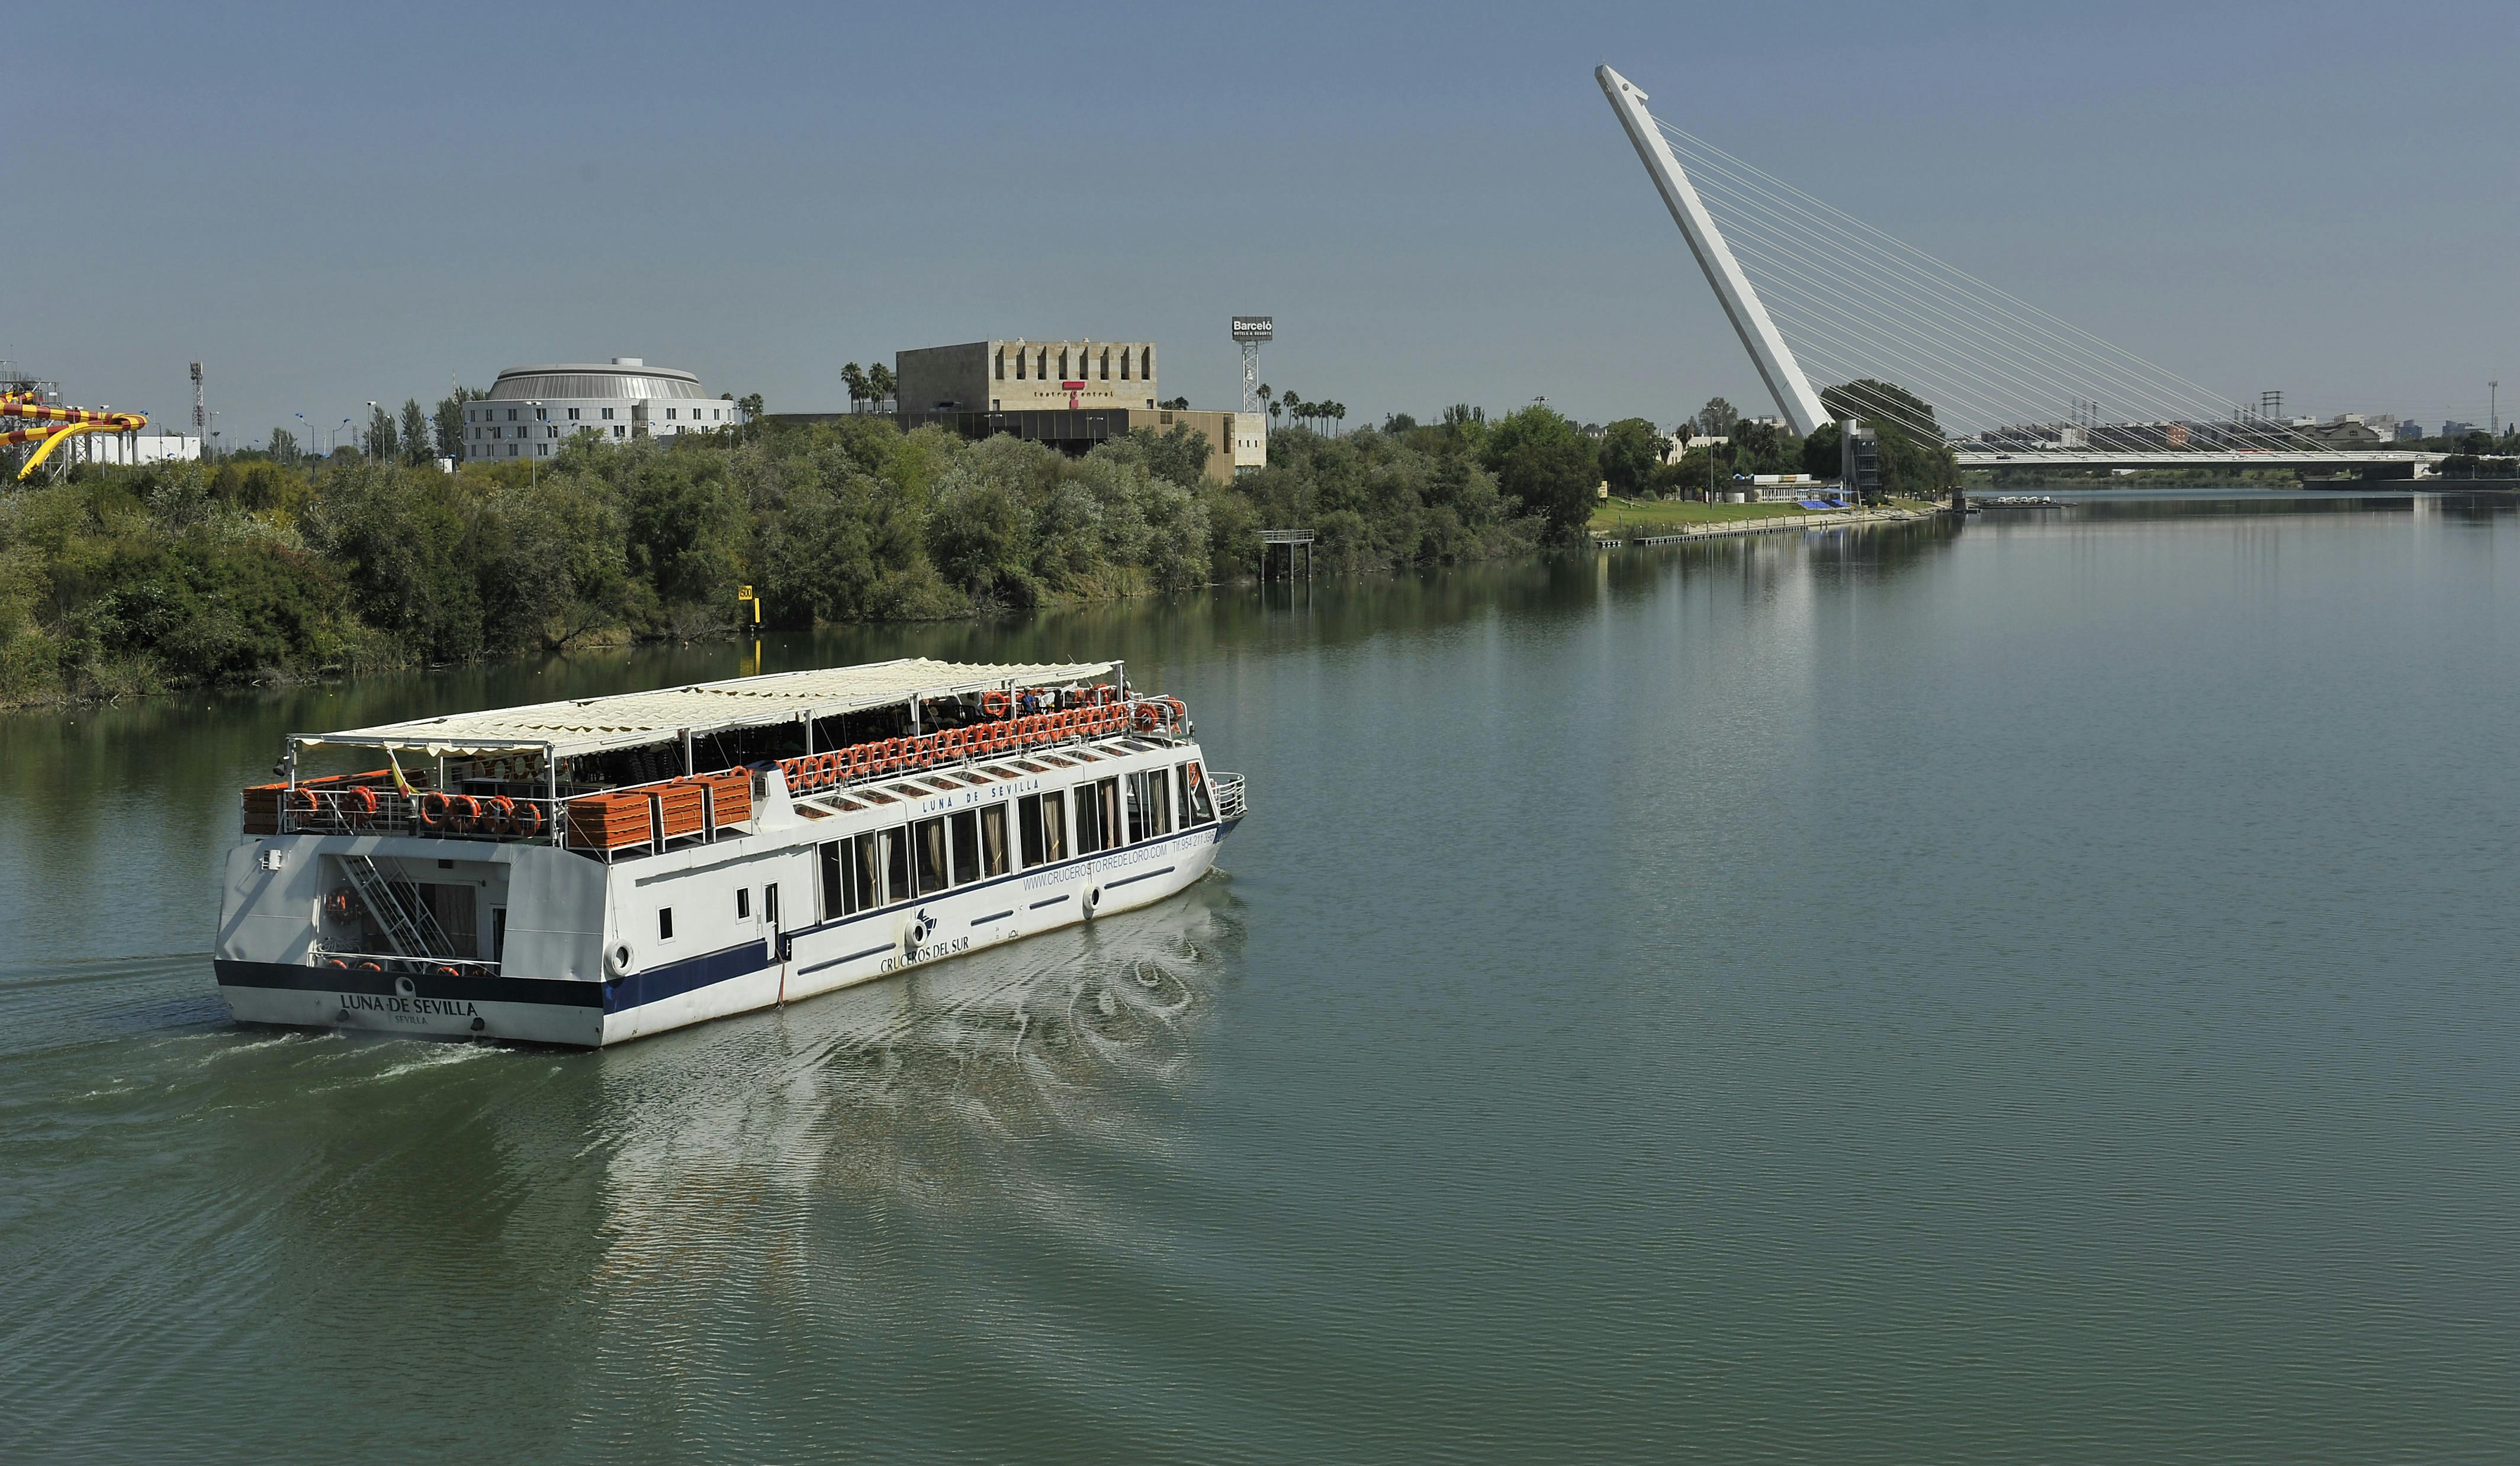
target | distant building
x=1070, y=395
x=529, y=410
x=2409, y=431
x=2346, y=430
x=2454, y=427
x=1027, y=376
x=132, y=448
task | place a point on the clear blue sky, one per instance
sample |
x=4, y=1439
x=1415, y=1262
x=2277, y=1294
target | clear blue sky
x=328, y=204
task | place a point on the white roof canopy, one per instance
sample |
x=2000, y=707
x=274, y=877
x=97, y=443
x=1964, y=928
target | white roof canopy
x=627, y=720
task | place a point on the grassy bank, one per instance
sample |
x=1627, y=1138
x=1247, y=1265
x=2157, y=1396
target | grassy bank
x=1627, y=518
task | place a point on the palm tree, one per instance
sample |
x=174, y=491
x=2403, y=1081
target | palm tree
x=879, y=384
x=1338, y=414
x=854, y=378
x=1275, y=409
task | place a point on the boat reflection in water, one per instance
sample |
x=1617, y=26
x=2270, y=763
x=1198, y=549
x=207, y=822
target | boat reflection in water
x=1013, y=1081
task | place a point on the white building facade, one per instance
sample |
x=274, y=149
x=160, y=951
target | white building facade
x=532, y=409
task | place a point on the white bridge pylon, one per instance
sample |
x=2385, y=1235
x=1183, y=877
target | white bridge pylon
x=1774, y=358
x=1911, y=341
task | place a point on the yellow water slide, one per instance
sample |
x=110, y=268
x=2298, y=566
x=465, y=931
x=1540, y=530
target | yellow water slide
x=72, y=420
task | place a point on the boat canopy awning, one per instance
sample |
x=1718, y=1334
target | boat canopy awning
x=627, y=720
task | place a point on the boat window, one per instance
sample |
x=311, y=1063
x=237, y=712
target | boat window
x=852, y=876
x=993, y=840
x=1154, y=801
x=770, y=905
x=664, y=923
x=1200, y=808
x=743, y=901
x=927, y=854
x=1044, y=821
x=873, y=797
x=896, y=864
x=1097, y=815
x=1133, y=804
x=967, y=847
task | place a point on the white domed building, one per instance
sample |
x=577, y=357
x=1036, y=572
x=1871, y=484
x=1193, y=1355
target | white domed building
x=530, y=410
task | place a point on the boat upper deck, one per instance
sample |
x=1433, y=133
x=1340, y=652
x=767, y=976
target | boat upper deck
x=645, y=770
x=629, y=719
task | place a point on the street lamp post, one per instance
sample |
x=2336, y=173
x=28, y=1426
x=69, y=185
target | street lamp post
x=531, y=475
x=372, y=434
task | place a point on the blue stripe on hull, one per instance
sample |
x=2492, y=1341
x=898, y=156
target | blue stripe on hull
x=635, y=991
x=292, y=976
x=674, y=979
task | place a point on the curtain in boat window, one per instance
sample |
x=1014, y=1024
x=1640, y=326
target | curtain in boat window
x=993, y=840
x=928, y=855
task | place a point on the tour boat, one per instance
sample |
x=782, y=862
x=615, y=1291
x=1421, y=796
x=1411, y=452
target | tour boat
x=589, y=872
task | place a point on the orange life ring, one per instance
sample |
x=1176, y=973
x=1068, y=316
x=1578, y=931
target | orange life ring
x=502, y=813
x=884, y=754
x=305, y=800
x=443, y=970
x=366, y=798
x=467, y=810
x=371, y=966
x=529, y=819
x=432, y=807
x=1148, y=716
x=337, y=962
x=996, y=704
x=1104, y=694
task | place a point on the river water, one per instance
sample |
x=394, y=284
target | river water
x=2040, y=990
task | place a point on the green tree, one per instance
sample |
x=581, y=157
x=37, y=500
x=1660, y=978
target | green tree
x=880, y=386
x=381, y=444
x=415, y=433
x=1716, y=419
x=284, y=447
x=1884, y=404
x=853, y=376
x=1543, y=463
x=449, y=422
x=1630, y=451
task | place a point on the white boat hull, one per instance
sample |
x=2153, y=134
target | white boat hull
x=758, y=972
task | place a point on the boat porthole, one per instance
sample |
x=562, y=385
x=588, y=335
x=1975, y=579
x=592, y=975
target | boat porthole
x=480, y=1024
x=405, y=986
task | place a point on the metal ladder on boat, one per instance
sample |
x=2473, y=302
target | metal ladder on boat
x=410, y=927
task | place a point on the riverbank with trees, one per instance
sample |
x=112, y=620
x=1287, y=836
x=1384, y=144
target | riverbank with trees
x=117, y=582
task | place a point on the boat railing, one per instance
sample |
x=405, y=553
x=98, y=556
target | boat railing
x=1226, y=790
x=682, y=809
x=399, y=964
x=1163, y=717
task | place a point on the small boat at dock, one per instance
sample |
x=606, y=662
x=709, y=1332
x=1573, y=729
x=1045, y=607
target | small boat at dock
x=589, y=872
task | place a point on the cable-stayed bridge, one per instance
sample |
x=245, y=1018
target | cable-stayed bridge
x=1909, y=340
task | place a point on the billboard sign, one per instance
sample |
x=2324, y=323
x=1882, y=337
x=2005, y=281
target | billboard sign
x=1253, y=327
